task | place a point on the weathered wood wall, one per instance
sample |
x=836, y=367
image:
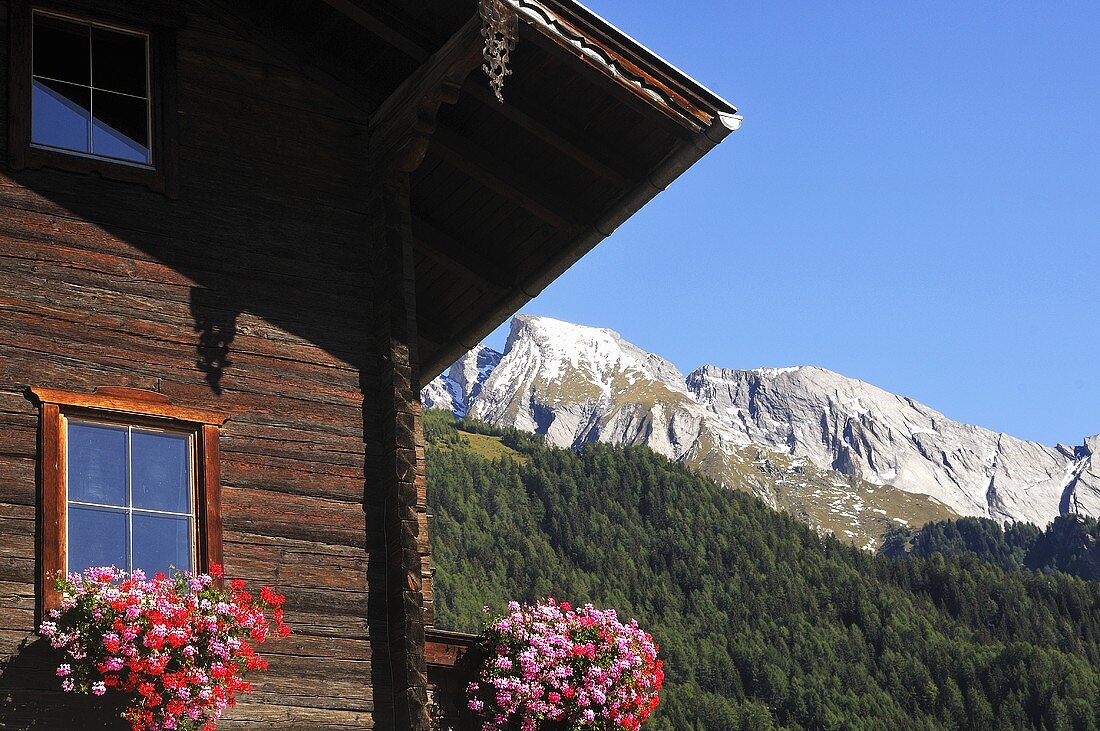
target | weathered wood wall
x=250, y=293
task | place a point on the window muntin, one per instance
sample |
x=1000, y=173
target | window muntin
x=130, y=496
x=90, y=90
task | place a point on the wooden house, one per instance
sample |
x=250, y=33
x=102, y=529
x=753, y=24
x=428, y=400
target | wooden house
x=235, y=238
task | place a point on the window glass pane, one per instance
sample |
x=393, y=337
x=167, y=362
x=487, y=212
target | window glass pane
x=97, y=537
x=161, y=542
x=118, y=62
x=97, y=464
x=61, y=50
x=161, y=471
x=60, y=115
x=120, y=127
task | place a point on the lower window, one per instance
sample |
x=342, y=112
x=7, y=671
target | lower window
x=130, y=496
x=127, y=479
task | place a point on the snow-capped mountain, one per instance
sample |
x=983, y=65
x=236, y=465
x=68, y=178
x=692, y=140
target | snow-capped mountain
x=459, y=384
x=840, y=453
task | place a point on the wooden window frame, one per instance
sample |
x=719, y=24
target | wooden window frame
x=161, y=174
x=128, y=406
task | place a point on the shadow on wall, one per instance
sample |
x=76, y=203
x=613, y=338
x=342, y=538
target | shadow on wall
x=216, y=323
x=187, y=293
x=31, y=695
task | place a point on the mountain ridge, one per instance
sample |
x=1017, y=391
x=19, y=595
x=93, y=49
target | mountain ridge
x=840, y=453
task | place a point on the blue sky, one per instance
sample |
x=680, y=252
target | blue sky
x=913, y=200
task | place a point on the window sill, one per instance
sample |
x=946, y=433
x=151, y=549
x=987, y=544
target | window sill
x=35, y=158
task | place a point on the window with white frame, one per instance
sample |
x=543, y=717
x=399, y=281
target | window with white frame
x=127, y=478
x=130, y=496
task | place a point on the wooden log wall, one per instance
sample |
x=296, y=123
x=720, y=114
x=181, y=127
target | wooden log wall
x=251, y=293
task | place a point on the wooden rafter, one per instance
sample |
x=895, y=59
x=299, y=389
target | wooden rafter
x=479, y=91
x=559, y=142
x=460, y=258
x=506, y=180
x=432, y=329
x=617, y=174
x=380, y=28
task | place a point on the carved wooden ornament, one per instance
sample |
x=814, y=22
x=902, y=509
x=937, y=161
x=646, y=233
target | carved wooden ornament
x=500, y=28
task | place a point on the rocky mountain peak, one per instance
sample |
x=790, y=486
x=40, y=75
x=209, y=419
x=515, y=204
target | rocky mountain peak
x=462, y=382
x=841, y=445
x=863, y=431
x=571, y=382
x=565, y=351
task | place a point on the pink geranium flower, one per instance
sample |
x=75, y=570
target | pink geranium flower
x=580, y=666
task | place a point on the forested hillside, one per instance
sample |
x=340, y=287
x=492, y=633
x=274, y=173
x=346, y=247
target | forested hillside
x=762, y=623
x=1070, y=544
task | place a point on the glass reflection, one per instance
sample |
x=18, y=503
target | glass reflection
x=97, y=464
x=90, y=90
x=61, y=50
x=118, y=62
x=60, y=115
x=140, y=481
x=161, y=471
x=120, y=127
x=97, y=537
x=161, y=542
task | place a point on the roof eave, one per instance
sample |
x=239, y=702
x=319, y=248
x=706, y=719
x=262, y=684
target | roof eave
x=624, y=60
x=658, y=179
x=706, y=118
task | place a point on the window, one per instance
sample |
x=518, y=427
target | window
x=127, y=479
x=130, y=497
x=90, y=89
x=94, y=94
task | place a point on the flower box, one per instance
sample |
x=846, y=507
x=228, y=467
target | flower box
x=174, y=649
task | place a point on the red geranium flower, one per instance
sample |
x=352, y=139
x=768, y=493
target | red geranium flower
x=177, y=644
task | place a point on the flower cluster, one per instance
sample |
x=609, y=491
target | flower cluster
x=581, y=668
x=178, y=646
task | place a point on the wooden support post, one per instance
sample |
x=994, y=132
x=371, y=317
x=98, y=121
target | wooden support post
x=402, y=465
x=399, y=133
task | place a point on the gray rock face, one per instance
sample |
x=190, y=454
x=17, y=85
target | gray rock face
x=1082, y=495
x=863, y=431
x=577, y=384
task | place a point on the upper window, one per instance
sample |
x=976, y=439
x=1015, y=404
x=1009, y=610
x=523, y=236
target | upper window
x=90, y=89
x=95, y=94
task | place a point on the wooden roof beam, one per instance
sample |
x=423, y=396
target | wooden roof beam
x=570, y=149
x=460, y=258
x=401, y=126
x=380, y=28
x=505, y=180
